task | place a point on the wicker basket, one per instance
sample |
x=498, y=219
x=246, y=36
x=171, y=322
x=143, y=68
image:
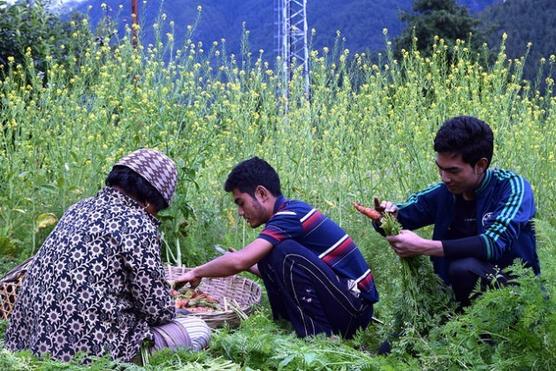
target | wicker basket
x=236, y=295
x=9, y=287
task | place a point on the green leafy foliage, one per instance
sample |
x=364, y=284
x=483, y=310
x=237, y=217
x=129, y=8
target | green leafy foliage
x=263, y=345
x=209, y=110
x=7, y=247
x=423, y=302
x=511, y=327
x=436, y=18
x=29, y=30
x=182, y=359
x=25, y=361
x=390, y=225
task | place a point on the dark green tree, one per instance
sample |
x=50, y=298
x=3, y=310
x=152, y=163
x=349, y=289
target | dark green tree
x=33, y=25
x=442, y=18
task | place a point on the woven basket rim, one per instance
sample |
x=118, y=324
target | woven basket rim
x=14, y=274
x=219, y=317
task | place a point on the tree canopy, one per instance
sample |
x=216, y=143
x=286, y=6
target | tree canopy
x=31, y=28
x=442, y=18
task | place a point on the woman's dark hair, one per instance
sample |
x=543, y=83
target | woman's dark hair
x=467, y=136
x=135, y=186
x=249, y=174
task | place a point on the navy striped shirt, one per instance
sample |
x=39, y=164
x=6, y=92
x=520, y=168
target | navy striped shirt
x=296, y=220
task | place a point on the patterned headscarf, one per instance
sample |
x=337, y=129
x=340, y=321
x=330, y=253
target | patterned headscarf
x=156, y=168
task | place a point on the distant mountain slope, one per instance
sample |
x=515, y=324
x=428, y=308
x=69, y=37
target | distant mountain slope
x=360, y=21
x=524, y=21
x=475, y=6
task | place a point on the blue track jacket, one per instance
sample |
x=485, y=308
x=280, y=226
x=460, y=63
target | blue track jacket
x=505, y=231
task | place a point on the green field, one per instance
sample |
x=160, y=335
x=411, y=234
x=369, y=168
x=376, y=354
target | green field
x=367, y=131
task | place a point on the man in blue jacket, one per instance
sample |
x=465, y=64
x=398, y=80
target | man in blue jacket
x=483, y=218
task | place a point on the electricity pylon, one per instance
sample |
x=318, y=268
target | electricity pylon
x=291, y=40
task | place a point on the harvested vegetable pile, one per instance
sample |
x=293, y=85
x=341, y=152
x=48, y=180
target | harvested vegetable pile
x=424, y=301
x=194, y=300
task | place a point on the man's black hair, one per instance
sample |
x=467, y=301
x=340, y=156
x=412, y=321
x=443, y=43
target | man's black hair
x=467, y=136
x=135, y=186
x=249, y=174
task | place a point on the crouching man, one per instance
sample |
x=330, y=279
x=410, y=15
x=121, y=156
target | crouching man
x=314, y=274
x=482, y=217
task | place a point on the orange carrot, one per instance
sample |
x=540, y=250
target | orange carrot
x=367, y=211
x=181, y=303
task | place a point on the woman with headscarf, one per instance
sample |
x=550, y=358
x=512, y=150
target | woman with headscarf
x=97, y=284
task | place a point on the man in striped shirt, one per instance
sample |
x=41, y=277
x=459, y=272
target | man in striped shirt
x=483, y=218
x=315, y=276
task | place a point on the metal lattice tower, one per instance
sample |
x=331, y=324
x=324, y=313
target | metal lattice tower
x=291, y=40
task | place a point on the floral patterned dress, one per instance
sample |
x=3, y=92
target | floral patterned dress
x=96, y=285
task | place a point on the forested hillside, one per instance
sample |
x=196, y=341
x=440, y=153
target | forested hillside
x=523, y=21
x=360, y=21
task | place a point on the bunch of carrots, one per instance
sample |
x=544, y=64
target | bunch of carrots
x=425, y=300
x=194, y=300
